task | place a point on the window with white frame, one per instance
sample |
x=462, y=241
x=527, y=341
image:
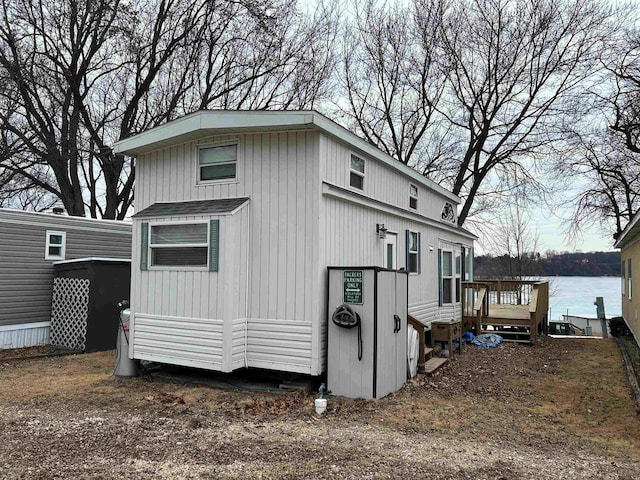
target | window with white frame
x=179, y=245
x=446, y=276
x=413, y=197
x=467, y=270
x=413, y=252
x=458, y=276
x=356, y=172
x=622, y=277
x=55, y=245
x=217, y=162
x=629, y=279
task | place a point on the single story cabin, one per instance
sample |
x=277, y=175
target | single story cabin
x=239, y=214
x=629, y=245
x=31, y=243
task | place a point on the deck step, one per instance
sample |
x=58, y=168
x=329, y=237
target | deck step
x=434, y=364
x=506, y=338
x=428, y=352
x=506, y=332
x=512, y=325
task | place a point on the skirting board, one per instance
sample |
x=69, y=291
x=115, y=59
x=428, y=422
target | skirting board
x=24, y=335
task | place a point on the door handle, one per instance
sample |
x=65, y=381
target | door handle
x=397, y=324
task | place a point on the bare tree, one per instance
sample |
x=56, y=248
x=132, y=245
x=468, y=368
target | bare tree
x=516, y=69
x=626, y=97
x=602, y=149
x=473, y=93
x=82, y=75
x=260, y=58
x=610, y=192
x=392, y=83
x=514, y=242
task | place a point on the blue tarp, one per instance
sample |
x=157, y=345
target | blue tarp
x=466, y=338
x=487, y=340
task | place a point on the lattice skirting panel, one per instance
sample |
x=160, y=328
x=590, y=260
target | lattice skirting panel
x=69, y=312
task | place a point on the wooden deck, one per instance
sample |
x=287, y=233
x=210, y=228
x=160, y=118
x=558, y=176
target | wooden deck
x=516, y=310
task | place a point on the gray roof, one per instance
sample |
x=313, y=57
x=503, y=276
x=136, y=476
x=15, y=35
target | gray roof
x=196, y=207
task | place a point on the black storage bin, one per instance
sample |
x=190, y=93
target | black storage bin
x=84, y=307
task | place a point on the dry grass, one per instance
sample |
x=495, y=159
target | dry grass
x=591, y=398
x=583, y=400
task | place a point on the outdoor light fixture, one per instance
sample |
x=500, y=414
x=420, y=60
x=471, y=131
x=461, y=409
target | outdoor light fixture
x=380, y=230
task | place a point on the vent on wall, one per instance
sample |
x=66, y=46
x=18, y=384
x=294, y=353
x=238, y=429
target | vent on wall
x=448, y=213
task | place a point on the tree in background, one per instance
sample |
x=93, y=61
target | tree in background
x=514, y=245
x=611, y=173
x=491, y=80
x=604, y=148
x=78, y=76
x=392, y=82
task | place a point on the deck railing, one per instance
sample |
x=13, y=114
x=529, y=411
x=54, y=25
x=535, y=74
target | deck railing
x=509, y=292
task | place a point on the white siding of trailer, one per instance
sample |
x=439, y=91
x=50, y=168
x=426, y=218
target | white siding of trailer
x=191, y=316
x=344, y=220
x=380, y=181
x=280, y=174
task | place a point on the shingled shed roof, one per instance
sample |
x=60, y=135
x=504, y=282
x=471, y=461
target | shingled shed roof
x=196, y=207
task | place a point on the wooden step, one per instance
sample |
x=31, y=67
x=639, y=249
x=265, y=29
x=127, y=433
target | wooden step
x=428, y=352
x=507, y=336
x=434, y=364
x=502, y=333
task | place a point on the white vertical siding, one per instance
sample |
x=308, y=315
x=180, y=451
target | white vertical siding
x=279, y=172
x=294, y=233
x=189, y=316
x=343, y=220
x=380, y=181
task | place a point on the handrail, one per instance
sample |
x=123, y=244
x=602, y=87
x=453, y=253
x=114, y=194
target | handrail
x=475, y=301
x=482, y=293
x=538, y=307
x=533, y=303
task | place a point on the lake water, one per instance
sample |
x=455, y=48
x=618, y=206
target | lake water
x=577, y=294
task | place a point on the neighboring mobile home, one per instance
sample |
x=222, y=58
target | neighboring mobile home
x=629, y=244
x=31, y=243
x=240, y=213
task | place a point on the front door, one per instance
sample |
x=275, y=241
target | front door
x=390, y=251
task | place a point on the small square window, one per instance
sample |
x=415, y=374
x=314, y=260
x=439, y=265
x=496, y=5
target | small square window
x=217, y=163
x=55, y=245
x=356, y=174
x=413, y=197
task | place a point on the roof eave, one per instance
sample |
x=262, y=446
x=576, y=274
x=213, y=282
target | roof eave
x=203, y=122
x=211, y=122
x=630, y=231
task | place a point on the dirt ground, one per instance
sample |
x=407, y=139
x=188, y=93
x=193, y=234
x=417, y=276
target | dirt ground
x=561, y=409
